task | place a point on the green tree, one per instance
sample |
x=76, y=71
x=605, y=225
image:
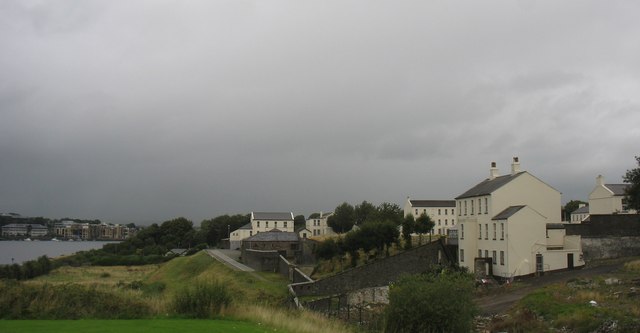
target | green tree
x=570, y=207
x=218, y=228
x=431, y=302
x=408, y=227
x=390, y=212
x=176, y=232
x=632, y=193
x=314, y=216
x=342, y=219
x=299, y=221
x=423, y=225
x=364, y=212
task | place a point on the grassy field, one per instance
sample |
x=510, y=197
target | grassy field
x=147, y=294
x=133, y=326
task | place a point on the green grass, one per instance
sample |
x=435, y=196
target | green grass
x=137, y=326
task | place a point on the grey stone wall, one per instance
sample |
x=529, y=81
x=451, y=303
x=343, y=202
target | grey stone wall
x=378, y=273
x=267, y=261
x=608, y=236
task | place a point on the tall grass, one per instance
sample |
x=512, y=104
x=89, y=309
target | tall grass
x=288, y=320
x=204, y=300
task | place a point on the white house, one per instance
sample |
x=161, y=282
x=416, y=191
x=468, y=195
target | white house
x=510, y=226
x=441, y=212
x=581, y=214
x=608, y=198
x=261, y=222
x=318, y=225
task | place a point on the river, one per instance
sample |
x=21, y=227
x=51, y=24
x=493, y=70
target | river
x=21, y=251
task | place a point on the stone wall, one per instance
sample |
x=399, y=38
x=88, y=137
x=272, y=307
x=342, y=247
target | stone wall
x=608, y=236
x=378, y=273
x=267, y=261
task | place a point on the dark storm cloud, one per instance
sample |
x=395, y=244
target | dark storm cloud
x=147, y=110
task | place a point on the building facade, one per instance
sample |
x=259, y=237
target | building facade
x=608, y=198
x=441, y=212
x=261, y=222
x=318, y=226
x=508, y=226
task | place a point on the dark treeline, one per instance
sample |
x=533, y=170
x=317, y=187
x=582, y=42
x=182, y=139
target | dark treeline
x=27, y=270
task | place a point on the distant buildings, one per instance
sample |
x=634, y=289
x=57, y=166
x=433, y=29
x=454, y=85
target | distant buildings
x=26, y=230
x=261, y=222
x=441, y=212
x=318, y=226
x=608, y=198
x=91, y=231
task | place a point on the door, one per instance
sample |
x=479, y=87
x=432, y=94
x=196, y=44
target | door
x=539, y=264
x=570, y=260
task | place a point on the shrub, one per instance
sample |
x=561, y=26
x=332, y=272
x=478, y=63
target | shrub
x=431, y=302
x=204, y=300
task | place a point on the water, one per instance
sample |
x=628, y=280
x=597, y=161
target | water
x=22, y=251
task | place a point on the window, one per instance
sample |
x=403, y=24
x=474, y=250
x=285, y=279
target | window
x=461, y=255
x=486, y=206
x=502, y=258
x=479, y=231
x=465, y=207
x=285, y=224
x=446, y=211
x=439, y=222
x=471, y=207
x=479, y=207
x=446, y=222
x=462, y=231
x=486, y=231
x=486, y=253
x=416, y=211
x=451, y=211
x=494, y=257
x=479, y=253
x=267, y=224
x=439, y=213
x=275, y=224
x=250, y=233
x=501, y=231
x=459, y=206
x=258, y=224
x=494, y=231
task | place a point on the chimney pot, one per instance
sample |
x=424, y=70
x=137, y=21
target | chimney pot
x=493, y=172
x=515, y=166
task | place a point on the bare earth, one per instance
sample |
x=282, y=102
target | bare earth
x=501, y=303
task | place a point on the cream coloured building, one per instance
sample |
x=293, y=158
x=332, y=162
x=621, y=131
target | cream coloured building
x=607, y=199
x=261, y=222
x=441, y=212
x=318, y=226
x=510, y=226
x=581, y=214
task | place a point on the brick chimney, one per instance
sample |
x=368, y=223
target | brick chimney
x=493, y=172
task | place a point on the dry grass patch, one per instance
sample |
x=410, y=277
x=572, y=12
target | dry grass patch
x=289, y=320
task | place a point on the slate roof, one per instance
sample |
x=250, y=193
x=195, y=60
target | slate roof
x=507, y=213
x=487, y=186
x=581, y=210
x=272, y=216
x=617, y=189
x=246, y=226
x=272, y=236
x=432, y=203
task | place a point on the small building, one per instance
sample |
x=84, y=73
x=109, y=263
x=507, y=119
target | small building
x=304, y=233
x=236, y=237
x=261, y=222
x=441, y=212
x=581, y=214
x=318, y=226
x=285, y=243
x=608, y=198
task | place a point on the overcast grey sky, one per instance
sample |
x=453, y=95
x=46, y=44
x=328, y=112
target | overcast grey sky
x=141, y=111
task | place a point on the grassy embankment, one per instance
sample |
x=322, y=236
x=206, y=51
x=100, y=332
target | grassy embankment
x=149, y=292
x=568, y=306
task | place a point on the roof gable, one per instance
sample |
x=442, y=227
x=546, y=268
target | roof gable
x=279, y=216
x=488, y=186
x=271, y=236
x=508, y=212
x=617, y=189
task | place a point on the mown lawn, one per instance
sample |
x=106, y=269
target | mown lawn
x=133, y=326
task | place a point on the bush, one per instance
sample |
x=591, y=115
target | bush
x=203, y=300
x=431, y=302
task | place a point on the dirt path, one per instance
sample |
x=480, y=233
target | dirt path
x=500, y=303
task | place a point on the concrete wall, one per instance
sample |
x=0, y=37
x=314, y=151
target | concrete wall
x=378, y=273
